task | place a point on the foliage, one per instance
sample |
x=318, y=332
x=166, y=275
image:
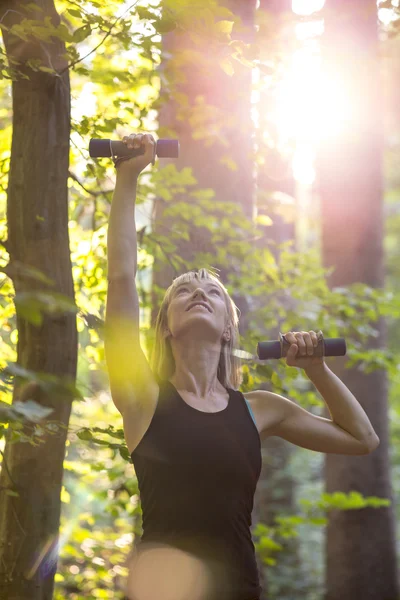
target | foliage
x=287, y=526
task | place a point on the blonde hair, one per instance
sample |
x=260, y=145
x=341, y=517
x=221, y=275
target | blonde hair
x=162, y=361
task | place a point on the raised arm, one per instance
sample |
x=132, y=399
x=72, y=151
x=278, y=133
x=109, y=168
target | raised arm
x=134, y=389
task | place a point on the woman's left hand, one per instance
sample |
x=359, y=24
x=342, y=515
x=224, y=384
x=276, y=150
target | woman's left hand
x=301, y=351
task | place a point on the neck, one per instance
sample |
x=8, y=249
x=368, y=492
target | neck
x=196, y=369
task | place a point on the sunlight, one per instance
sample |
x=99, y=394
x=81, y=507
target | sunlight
x=307, y=106
x=310, y=106
x=307, y=7
x=303, y=164
x=86, y=103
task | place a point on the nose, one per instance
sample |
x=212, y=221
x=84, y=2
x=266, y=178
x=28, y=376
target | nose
x=198, y=292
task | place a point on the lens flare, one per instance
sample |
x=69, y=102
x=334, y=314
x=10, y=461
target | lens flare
x=161, y=571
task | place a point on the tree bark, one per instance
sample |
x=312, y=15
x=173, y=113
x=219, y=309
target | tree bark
x=360, y=544
x=37, y=214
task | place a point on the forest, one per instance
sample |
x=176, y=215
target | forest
x=287, y=186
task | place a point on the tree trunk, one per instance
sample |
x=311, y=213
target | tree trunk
x=360, y=544
x=37, y=212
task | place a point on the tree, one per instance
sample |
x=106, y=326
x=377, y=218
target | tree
x=361, y=554
x=38, y=247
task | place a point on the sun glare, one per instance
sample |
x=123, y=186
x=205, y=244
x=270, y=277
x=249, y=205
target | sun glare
x=312, y=106
x=307, y=7
x=305, y=106
x=309, y=104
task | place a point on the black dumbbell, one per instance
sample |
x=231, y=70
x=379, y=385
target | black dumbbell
x=279, y=348
x=99, y=148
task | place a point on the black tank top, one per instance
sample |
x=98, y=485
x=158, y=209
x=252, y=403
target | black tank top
x=197, y=474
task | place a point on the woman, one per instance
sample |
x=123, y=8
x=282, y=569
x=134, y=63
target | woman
x=194, y=438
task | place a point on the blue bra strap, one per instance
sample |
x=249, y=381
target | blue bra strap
x=251, y=412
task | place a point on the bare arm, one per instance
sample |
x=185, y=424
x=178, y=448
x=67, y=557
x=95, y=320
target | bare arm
x=131, y=378
x=121, y=238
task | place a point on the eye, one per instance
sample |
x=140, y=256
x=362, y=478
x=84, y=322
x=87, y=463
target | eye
x=181, y=289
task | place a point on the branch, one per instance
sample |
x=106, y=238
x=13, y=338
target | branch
x=150, y=237
x=91, y=192
x=102, y=41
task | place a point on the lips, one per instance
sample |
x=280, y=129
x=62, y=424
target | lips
x=199, y=304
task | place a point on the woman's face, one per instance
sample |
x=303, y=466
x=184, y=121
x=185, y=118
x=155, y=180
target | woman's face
x=207, y=321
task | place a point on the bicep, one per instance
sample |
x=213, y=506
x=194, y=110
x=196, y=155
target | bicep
x=302, y=428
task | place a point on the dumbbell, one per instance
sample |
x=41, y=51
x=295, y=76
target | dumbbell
x=98, y=148
x=279, y=348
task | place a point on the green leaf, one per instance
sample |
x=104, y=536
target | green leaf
x=30, y=313
x=119, y=433
x=101, y=442
x=81, y=70
x=63, y=33
x=264, y=220
x=46, y=70
x=6, y=413
x=145, y=13
x=85, y=434
x=224, y=26
x=229, y=162
x=19, y=31
x=165, y=25
x=74, y=12
x=124, y=452
x=82, y=33
x=318, y=520
x=275, y=379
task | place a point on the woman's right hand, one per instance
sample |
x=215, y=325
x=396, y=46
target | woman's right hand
x=136, y=164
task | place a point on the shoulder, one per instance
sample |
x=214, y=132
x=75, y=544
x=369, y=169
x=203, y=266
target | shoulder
x=269, y=408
